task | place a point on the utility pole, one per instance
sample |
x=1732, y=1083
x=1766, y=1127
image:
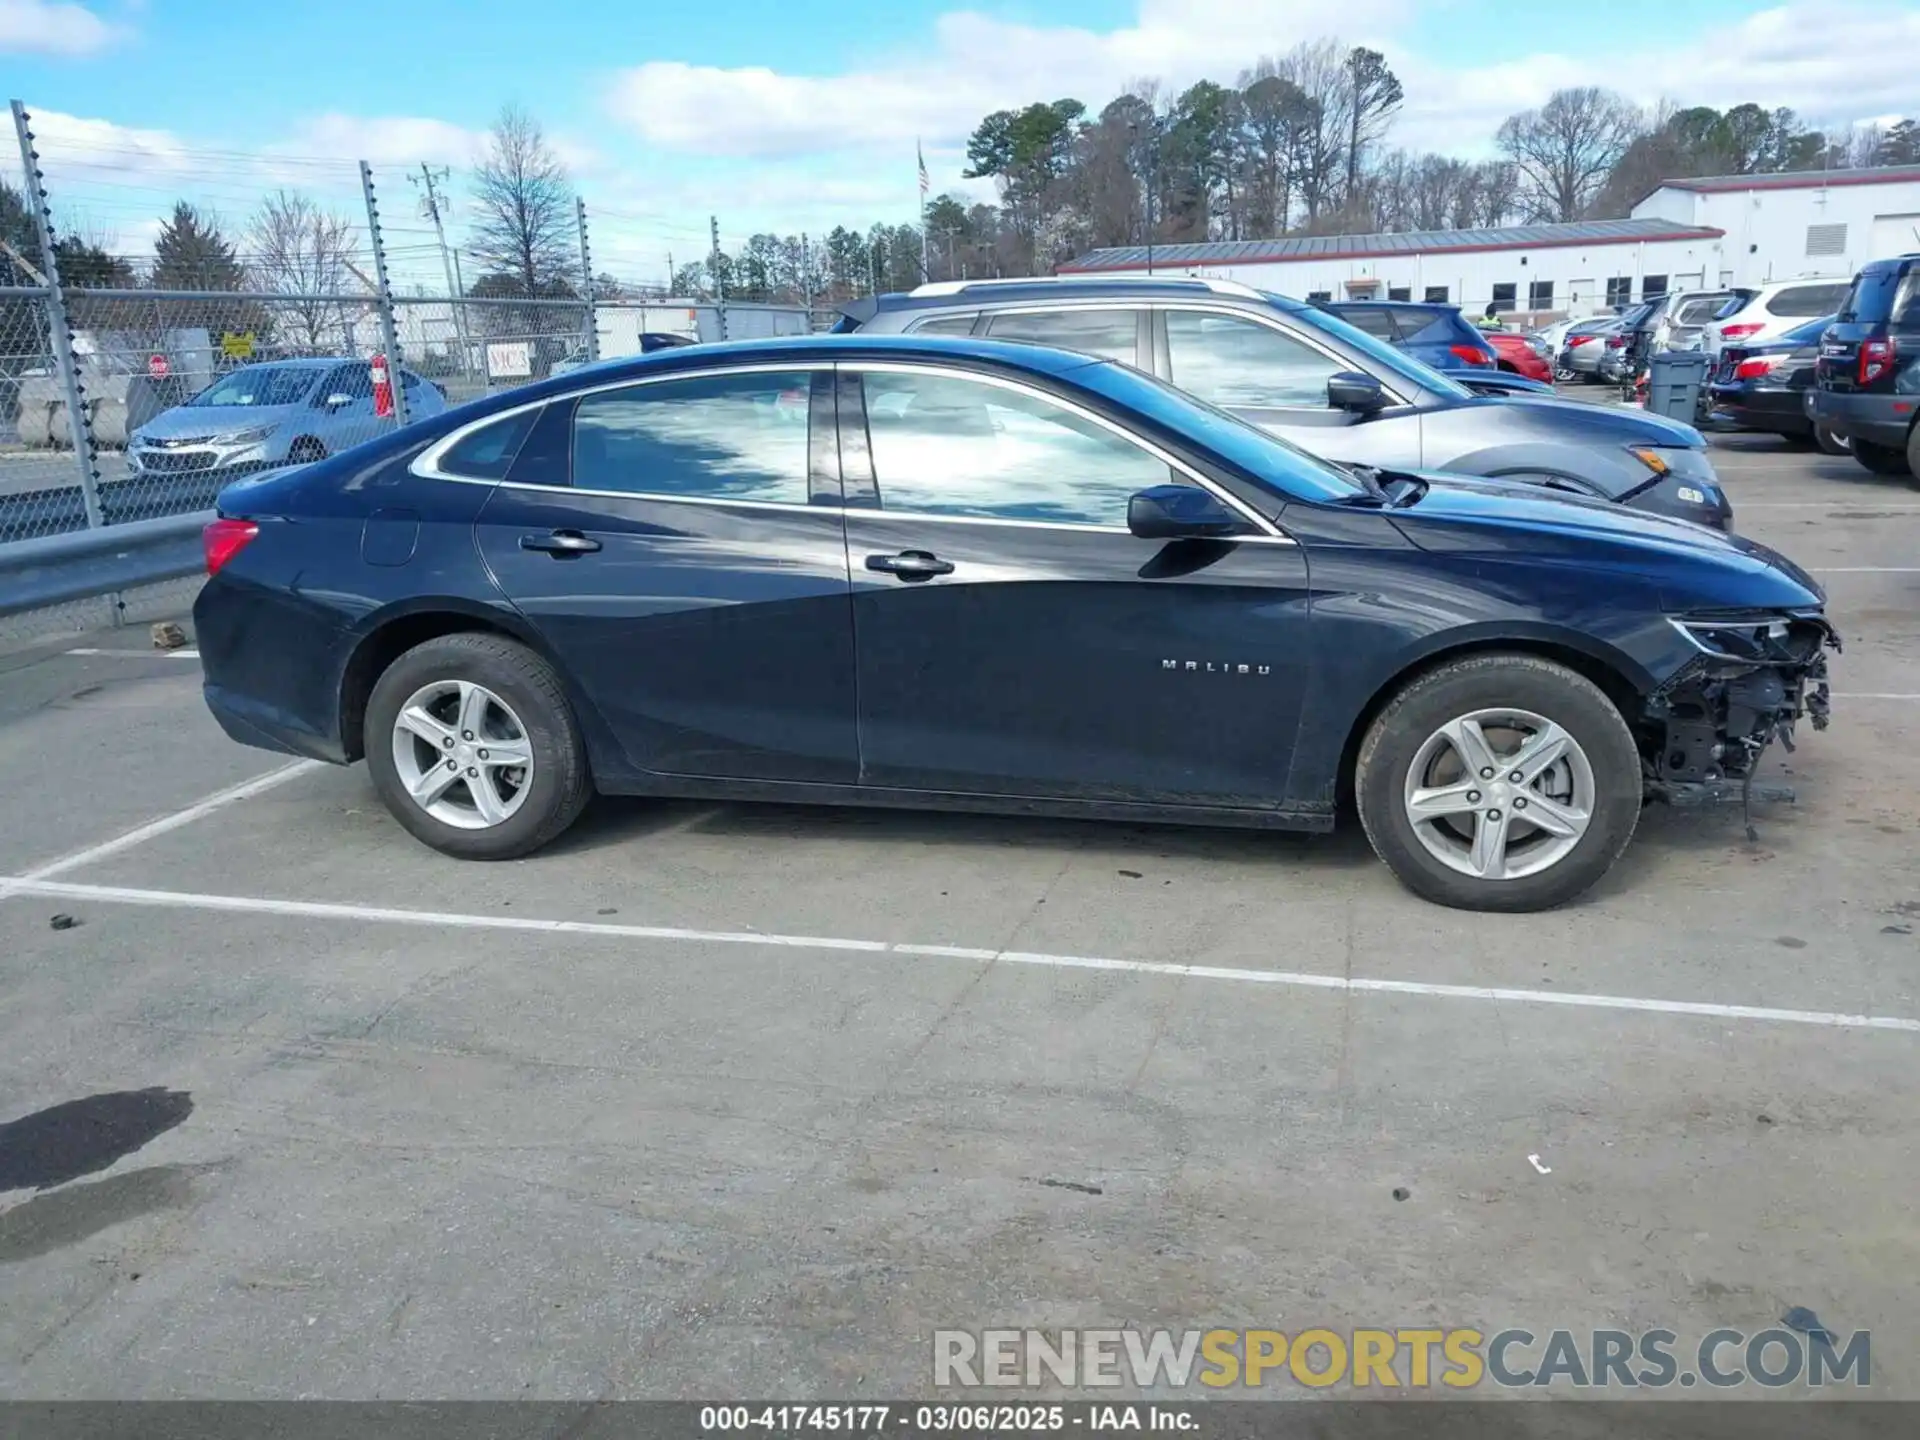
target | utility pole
x=431, y=203
x=719, y=275
x=806, y=277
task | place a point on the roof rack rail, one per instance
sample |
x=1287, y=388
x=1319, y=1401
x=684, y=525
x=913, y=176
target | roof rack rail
x=1206, y=282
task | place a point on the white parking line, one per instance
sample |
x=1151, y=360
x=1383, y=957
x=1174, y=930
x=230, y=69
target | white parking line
x=1877, y=697
x=1843, y=502
x=317, y=910
x=219, y=800
x=187, y=654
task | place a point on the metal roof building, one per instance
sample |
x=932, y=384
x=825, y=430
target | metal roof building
x=1534, y=270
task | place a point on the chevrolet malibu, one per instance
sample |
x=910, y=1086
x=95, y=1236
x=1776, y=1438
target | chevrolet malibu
x=960, y=574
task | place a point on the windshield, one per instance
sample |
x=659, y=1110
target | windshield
x=1285, y=466
x=1386, y=356
x=260, y=385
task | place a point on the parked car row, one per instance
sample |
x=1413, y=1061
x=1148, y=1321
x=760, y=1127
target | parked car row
x=1849, y=381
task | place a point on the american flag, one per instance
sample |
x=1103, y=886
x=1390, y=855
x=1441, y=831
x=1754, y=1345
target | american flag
x=926, y=184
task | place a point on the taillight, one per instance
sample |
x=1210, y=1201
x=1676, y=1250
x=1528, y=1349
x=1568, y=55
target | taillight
x=1616, y=342
x=1754, y=369
x=224, y=539
x=1740, y=332
x=1573, y=340
x=1876, y=359
x=1471, y=354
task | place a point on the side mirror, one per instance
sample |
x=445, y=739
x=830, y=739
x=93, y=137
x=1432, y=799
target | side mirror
x=1355, y=391
x=1179, y=512
x=336, y=400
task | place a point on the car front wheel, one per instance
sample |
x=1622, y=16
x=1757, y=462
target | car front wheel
x=1830, y=443
x=474, y=749
x=1499, y=782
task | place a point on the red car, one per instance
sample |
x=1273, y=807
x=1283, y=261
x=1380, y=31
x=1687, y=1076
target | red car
x=1518, y=356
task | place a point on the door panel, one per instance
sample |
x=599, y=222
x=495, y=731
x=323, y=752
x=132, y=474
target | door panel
x=1014, y=639
x=712, y=630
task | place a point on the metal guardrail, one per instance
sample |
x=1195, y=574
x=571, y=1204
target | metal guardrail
x=56, y=569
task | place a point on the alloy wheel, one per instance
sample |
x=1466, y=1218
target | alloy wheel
x=462, y=754
x=1500, y=794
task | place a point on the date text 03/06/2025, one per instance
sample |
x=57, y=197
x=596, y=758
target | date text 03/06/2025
x=946, y=1419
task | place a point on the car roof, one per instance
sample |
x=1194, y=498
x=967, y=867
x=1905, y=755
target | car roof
x=965, y=294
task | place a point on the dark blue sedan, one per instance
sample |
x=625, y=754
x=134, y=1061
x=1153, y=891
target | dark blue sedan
x=958, y=574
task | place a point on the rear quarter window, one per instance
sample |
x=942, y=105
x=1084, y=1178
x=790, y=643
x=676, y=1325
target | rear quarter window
x=945, y=325
x=1378, y=323
x=1437, y=327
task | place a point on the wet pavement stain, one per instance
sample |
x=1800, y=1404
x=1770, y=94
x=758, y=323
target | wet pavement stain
x=53, y=1221
x=84, y=1137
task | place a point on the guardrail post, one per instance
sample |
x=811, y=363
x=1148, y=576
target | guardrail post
x=389, y=336
x=586, y=280
x=60, y=332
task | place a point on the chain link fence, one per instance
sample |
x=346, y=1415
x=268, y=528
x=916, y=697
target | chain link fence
x=136, y=384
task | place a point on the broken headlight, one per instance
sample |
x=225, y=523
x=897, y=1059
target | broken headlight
x=1755, y=639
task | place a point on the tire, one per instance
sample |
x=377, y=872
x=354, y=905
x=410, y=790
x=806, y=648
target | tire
x=1403, y=737
x=526, y=695
x=1882, y=459
x=305, y=451
x=1830, y=443
x=1913, y=452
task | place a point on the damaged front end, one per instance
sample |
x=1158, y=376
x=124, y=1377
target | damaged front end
x=1754, y=677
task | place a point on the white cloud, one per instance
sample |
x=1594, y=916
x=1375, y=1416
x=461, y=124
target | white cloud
x=1835, y=63
x=975, y=63
x=37, y=27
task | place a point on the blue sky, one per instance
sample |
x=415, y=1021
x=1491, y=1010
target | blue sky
x=798, y=114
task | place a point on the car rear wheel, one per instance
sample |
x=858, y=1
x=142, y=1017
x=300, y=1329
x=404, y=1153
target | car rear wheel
x=306, y=450
x=1499, y=782
x=1913, y=451
x=1881, y=459
x=474, y=748
x=1831, y=443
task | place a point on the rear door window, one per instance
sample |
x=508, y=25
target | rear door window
x=705, y=437
x=1110, y=334
x=1436, y=327
x=1870, y=300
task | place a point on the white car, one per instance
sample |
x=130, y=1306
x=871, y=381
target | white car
x=1755, y=316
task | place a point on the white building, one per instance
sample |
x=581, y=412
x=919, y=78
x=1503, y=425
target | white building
x=1800, y=224
x=1686, y=235
x=1533, y=271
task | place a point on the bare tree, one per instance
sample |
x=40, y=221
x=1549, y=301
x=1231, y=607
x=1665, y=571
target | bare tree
x=525, y=203
x=299, y=250
x=1565, y=150
x=1319, y=71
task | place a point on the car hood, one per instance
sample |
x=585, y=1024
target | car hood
x=1528, y=523
x=185, y=422
x=1598, y=424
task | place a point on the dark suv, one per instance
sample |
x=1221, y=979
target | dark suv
x=1330, y=388
x=1867, y=380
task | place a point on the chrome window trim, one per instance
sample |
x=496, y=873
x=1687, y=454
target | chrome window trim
x=1302, y=337
x=1264, y=526
x=426, y=464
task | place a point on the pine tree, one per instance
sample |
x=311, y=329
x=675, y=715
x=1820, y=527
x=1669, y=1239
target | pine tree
x=190, y=253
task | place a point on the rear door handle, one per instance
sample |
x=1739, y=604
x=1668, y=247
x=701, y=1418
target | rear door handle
x=910, y=565
x=561, y=544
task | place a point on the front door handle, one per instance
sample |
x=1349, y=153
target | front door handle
x=561, y=544
x=910, y=565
